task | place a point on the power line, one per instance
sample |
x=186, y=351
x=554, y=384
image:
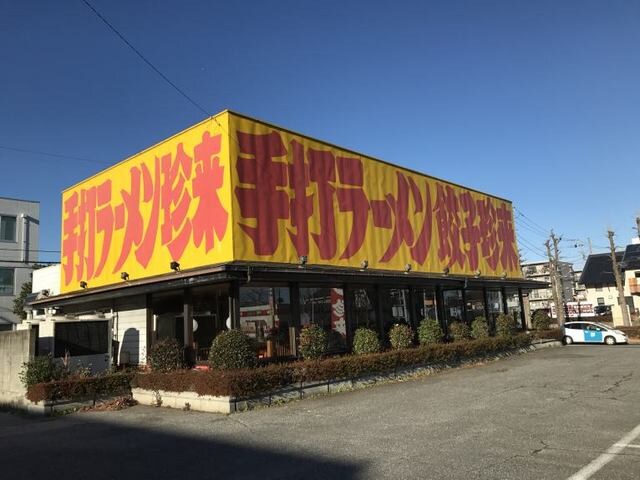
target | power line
x=545, y=230
x=49, y=154
x=530, y=246
x=28, y=250
x=532, y=230
x=145, y=60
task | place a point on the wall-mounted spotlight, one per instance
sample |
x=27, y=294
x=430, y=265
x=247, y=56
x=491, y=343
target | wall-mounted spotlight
x=175, y=266
x=302, y=260
x=83, y=284
x=504, y=275
x=124, y=276
x=477, y=273
x=407, y=268
x=445, y=270
x=364, y=264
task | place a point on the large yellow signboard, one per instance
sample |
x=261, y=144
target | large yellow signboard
x=232, y=188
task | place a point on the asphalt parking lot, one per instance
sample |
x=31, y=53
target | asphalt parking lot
x=570, y=412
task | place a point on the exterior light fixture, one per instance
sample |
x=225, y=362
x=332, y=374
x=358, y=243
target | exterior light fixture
x=124, y=276
x=364, y=264
x=477, y=273
x=504, y=275
x=302, y=260
x=175, y=266
x=83, y=284
x=445, y=270
x=407, y=268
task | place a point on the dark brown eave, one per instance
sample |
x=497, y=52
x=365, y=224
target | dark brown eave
x=263, y=272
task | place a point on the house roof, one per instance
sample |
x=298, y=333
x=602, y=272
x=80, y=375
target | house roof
x=598, y=269
x=631, y=259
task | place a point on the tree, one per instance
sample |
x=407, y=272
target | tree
x=20, y=301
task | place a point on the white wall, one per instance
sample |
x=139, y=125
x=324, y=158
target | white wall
x=130, y=330
x=47, y=278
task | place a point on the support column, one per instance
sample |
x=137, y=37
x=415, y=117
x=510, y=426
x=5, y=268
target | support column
x=187, y=322
x=523, y=318
x=234, y=305
x=487, y=312
x=440, y=308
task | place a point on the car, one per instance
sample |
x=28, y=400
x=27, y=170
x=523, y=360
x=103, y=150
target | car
x=592, y=332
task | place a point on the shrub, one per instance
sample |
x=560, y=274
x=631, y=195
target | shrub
x=313, y=342
x=541, y=320
x=505, y=325
x=79, y=388
x=39, y=370
x=166, y=355
x=400, y=336
x=479, y=328
x=459, y=331
x=430, y=331
x=365, y=340
x=260, y=381
x=232, y=349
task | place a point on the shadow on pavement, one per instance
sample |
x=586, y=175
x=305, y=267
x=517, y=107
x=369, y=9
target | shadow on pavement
x=79, y=447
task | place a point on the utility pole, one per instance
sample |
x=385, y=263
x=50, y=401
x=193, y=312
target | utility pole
x=616, y=273
x=590, y=247
x=553, y=274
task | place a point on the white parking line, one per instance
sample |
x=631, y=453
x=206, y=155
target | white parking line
x=609, y=455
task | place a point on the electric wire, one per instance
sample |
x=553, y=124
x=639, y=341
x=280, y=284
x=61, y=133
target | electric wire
x=50, y=154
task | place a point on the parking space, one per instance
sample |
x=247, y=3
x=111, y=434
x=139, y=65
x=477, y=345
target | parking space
x=569, y=412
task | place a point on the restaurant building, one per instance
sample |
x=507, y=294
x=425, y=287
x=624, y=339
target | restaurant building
x=236, y=223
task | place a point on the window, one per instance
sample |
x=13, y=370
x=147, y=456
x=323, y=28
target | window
x=324, y=306
x=81, y=338
x=6, y=281
x=7, y=228
x=475, y=304
x=265, y=315
x=600, y=300
x=394, y=305
x=425, y=299
x=513, y=304
x=453, y=306
x=494, y=304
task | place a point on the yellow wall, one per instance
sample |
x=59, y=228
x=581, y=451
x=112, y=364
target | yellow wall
x=357, y=209
x=234, y=188
x=150, y=209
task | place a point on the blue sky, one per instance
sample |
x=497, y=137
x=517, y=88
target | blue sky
x=537, y=102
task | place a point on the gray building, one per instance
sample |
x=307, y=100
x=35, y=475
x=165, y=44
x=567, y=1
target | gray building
x=19, y=231
x=540, y=298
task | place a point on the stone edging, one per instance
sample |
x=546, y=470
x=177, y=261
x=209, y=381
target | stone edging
x=227, y=404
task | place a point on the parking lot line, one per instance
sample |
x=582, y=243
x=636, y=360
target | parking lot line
x=602, y=460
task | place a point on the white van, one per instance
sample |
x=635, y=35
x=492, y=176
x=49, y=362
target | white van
x=592, y=332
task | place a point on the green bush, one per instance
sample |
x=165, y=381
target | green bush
x=365, y=340
x=505, y=325
x=232, y=349
x=313, y=342
x=541, y=320
x=40, y=370
x=166, y=355
x=430, y=331
x=400, y=336
x=459, y=331
x=479, y=328
x=260, y=381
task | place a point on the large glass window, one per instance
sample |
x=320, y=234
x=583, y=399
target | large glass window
x=426, y=306
x=7, y=228
x=475, y=304
x=6, y=281
x=364, y=310
x=324, y=306
x=513, y=304
x=265, y=315
x=394, y=303
x=168, y=310
x=494, y=304
x=453, y=306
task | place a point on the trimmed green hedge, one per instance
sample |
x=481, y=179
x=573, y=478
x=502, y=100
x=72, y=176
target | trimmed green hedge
x=260, y=381
x=81, y=388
